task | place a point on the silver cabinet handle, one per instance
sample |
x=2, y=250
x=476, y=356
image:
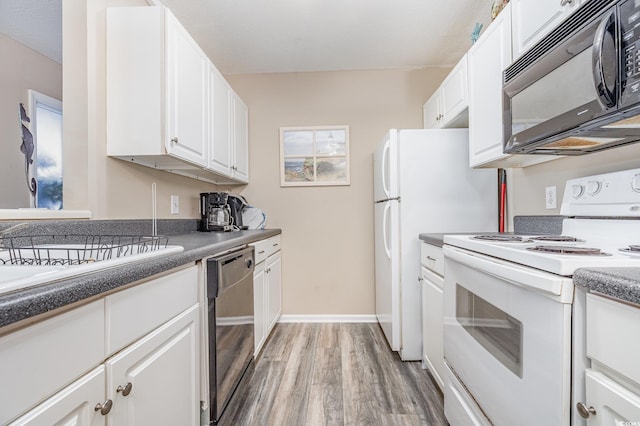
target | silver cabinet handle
x=431, y=258
x=275, y=244
x=174, y=139
x=565, y=2
x=420, y=279
x=126, y=390
x=584, y=411
x=261, y=251
x=105, y=407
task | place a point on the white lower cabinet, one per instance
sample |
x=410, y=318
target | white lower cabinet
x=267, y=288
x=612, y=395
x=69, y=369
x=432, y=324
x=74, y=405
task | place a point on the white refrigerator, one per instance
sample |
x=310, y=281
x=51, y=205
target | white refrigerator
x=422, y=184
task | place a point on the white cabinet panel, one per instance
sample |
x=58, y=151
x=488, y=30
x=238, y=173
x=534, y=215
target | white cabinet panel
x=187, y=82
x=531, y=20
x=35, y=363
x=273, y=266
x=488, y=57
x=446, y=108
x=240, y=139
x=432, y=325
x=259, y=305
x=73, y=406
x=611, y=403
x=133, y=313
x=220, y=156
x=163, y=371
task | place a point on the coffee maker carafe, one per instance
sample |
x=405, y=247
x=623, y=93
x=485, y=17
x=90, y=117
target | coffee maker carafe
x=215, y=213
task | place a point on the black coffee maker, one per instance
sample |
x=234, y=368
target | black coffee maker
x=221, y=211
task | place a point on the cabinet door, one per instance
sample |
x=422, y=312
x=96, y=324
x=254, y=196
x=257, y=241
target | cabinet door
x=488, y=58
x=432, y=325
x=273, y=266
x=531, y=20
x=240, y=139
x=72, y=406
x=187, y=95
x=613, y=403
x=259, y=307
x=163, y=370
x=431, y=112
x=220, y=156
x=454, y=94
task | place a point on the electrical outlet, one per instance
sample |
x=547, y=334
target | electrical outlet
x=175, y=204
x=550, y=198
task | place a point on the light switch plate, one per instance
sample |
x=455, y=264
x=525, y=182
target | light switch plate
x=175, y=204
x=550, y=197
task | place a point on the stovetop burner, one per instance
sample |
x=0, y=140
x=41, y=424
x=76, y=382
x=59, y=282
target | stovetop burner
x=557, y=239
x=501, y=238
x=579, y=251
x=632, y=249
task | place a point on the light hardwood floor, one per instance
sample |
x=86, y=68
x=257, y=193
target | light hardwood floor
x=334, y=374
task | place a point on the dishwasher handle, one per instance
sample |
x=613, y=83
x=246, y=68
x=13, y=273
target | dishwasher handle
x=223, y=272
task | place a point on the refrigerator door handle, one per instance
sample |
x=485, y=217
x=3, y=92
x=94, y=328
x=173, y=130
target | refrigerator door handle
x=385, y=227
x=385, y=168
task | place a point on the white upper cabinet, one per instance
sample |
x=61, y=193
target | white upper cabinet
x=447, y=107
x=531, y=20
x=187, y=84
x=487, y=59
x=229, y=145
x=162, y=109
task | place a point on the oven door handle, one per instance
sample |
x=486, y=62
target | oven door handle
x=527, y=278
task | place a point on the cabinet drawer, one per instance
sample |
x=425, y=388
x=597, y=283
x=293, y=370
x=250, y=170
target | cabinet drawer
x=35, y=362
x=432, y=258
x=130, y=315
x=612, y=330
x=267, y=247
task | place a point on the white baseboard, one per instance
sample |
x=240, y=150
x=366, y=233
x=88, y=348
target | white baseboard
x=290, y=318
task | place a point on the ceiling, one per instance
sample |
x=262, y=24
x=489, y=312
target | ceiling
x=257, y=36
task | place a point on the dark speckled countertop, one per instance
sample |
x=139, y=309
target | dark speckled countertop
x=619, y=283
x=21, y=305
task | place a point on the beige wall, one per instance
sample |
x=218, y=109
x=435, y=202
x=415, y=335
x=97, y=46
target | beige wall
x=108, y=187
x=527, y=185
x=327, y=231
x=22, y=69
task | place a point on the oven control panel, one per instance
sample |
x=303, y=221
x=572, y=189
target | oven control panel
x=615, y=194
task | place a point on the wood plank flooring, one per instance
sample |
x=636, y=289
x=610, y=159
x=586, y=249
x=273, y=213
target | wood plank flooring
x=334, y=374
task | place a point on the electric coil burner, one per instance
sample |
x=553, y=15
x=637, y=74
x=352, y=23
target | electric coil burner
x=501, y=238
x=578, y=251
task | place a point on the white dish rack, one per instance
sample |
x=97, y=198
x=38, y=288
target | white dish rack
x=67, y=250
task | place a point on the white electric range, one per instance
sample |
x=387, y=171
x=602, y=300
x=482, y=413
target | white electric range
x=509, y=304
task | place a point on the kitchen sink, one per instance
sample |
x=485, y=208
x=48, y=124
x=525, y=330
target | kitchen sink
x=62, y=262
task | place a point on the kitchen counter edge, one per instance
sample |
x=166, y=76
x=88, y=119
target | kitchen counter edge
x=622, y=284
x=23, y=305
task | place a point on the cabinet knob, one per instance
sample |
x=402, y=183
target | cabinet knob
x=584, y=411
x=174, y=139
x=105, y=407
x=126, y=390
x=420, y=279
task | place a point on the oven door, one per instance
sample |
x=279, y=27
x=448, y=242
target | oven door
x=508, y=343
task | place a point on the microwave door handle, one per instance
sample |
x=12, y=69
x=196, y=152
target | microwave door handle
x=607, y=97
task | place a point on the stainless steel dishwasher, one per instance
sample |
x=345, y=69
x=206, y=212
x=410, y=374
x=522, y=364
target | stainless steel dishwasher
x=230, y=324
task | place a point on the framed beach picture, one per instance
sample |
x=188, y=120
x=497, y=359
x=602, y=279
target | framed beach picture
x=314, y=156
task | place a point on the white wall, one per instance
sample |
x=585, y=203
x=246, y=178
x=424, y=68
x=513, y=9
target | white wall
x=527, y=185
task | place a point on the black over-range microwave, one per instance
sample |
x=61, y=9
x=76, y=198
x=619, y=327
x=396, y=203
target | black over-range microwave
x=578, y=89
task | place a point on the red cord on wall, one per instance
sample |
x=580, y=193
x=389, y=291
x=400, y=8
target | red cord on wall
x=502, y=207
